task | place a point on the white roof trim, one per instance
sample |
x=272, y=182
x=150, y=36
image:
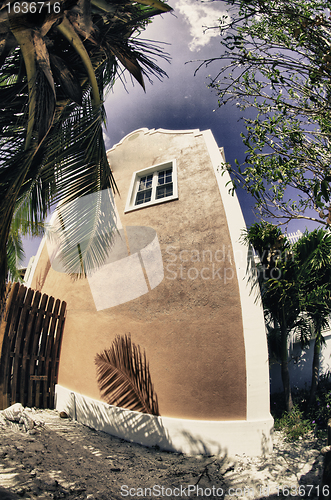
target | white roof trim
x=146, y=131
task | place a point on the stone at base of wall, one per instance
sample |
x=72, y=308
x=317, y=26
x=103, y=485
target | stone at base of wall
x=195, y=437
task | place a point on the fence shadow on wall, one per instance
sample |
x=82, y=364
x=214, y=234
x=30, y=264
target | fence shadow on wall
x=31, y=331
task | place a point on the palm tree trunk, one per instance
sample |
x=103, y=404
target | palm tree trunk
x=315, y=370
x=285, y=370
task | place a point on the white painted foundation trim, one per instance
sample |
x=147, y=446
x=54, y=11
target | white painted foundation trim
x=194, y=437
x=257, y=364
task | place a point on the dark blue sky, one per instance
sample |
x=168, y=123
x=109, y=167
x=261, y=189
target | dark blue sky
x=181, y=101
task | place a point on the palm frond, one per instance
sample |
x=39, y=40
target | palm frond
x=15, y=254
x=124, y=378
x=81, y=235
x=55, y=70
x=163, y=7
x=23, y=221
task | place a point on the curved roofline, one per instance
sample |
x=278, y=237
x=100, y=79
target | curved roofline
x=146, y=131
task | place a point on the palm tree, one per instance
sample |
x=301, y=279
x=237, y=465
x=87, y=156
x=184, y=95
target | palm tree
x=282, y=300
x=313, y=252
x=318, y=309
x=279, y=291
x=57, y=59
x=268, y=241
x=295, y=287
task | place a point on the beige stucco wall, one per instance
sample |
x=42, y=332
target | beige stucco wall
x=191, y=329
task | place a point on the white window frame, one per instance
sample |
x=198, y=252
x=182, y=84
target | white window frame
x=130, y=203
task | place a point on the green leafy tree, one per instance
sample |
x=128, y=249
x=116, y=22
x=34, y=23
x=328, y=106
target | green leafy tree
x=57, y=59
x=276, y=66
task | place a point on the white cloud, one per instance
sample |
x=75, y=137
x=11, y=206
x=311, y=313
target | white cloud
x=200, y=15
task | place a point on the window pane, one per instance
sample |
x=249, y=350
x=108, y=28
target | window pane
x=168, y=175
x=145, y=182
x=164, y=177
x=161, y=178
x=164, y=191
x=143, y=196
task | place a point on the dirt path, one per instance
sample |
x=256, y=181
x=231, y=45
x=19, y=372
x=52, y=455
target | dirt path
x=63, y=459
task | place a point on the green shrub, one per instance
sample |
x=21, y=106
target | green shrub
x=294, y=424
x=303, y=418
x=320, y=412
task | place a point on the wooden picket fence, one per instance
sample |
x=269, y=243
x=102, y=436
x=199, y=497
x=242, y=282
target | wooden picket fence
x=30, y=341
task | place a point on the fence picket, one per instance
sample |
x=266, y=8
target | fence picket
x=19, y=345
x=42, y=353
x=9, y=355
x=5, y=344
x=55, y=354
x=27, y=350
x=35, y=347
x=11, y=292
x=50, y=342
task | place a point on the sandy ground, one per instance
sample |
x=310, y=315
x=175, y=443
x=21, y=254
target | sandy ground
x=60, y=458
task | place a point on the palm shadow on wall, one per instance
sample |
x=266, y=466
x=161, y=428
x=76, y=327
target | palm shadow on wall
x=124, y=378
